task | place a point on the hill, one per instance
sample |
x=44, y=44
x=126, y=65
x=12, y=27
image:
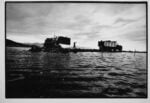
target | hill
x=10, y=43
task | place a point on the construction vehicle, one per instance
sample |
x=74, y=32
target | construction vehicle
x=53, y=45
x=109, y=46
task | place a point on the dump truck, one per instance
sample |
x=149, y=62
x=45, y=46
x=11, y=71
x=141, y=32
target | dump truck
x=109, y=46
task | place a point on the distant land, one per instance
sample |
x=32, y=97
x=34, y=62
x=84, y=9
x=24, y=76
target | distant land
x=11, y=43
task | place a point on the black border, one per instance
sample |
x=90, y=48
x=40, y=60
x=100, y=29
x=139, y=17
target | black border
x=127, y=2
x=118, y=2
x=147, y=45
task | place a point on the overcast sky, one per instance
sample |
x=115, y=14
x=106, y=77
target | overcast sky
x=85, y=23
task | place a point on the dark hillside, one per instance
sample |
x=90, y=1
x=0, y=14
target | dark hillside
x=10, y=43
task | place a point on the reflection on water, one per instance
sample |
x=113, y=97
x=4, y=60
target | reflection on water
x=83, y=74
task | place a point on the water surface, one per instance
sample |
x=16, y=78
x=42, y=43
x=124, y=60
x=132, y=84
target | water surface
x=81, y=75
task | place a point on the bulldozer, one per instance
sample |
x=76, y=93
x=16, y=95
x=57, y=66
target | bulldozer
x=53, y=44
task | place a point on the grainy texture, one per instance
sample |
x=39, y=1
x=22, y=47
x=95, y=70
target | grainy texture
x=71, y=75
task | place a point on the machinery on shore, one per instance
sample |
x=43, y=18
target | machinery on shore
x=109, y=46
x=53, y=45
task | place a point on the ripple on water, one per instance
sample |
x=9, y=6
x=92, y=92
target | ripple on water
x=114, y=91
x=75, y=74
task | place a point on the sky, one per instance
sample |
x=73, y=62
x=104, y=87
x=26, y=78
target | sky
x=84, y=23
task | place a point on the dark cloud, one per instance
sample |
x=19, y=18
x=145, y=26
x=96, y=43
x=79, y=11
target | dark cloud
x=138, y=35
x=80, y=22
x=83, y=22
x=123, y=21
x=20, y=11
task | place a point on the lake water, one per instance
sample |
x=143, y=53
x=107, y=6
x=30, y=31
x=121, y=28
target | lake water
x=74, y=75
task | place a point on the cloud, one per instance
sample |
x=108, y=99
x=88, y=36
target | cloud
x=85, y=23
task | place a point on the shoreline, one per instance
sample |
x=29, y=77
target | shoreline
x=90, y=50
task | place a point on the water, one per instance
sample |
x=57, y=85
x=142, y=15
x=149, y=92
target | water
x=80, y=75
